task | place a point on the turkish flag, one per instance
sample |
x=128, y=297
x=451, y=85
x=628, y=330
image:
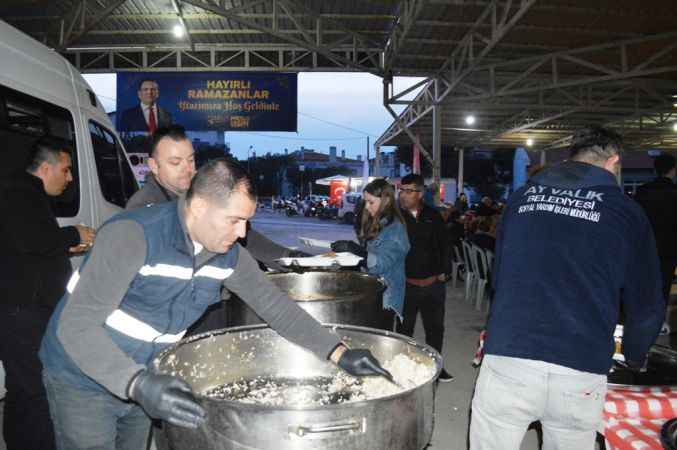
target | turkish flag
x=336, y=191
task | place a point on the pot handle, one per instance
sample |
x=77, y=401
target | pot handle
x=301, y=431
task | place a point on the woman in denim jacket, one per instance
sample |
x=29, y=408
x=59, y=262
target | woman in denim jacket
x=383, y=232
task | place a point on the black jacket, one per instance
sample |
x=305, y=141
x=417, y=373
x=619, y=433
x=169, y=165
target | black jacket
x=34, y=261
x=430, y=253
x=659, y=200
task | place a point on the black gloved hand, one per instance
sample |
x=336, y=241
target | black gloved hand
x=297, y=254
x=349, y=246
x=167, y=398
x=360, y=362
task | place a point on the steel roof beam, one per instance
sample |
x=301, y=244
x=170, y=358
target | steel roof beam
x=525, y=121
x=605, y=72
x=88, y=25
x=203, y=16
x=305, y=43
x=463, y=58
x=407, y=15
x=553, y=7
x=232, y=31
x=179, y=11
x=497, y=83
x=219, y=58
x=530, y=28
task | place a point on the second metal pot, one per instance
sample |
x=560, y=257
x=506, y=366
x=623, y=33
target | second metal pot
x=345, y=297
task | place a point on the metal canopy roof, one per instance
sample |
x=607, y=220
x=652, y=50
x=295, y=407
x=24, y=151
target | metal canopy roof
x=539, y=70
x=524, y=68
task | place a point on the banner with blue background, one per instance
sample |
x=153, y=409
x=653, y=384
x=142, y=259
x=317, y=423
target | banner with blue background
x=202, y=101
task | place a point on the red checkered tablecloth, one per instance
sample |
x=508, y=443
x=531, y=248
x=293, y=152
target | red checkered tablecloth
x=633, y=416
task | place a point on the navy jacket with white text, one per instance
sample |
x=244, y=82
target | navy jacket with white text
x=570, y=249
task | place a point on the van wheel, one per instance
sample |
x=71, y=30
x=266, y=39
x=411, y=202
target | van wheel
x=349, y=218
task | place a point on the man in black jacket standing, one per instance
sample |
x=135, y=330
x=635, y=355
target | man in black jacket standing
x=659, y=200
x=427, y=265
x=35, y=269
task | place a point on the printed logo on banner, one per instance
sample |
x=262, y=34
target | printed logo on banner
x=204, y=101
x=577, y=203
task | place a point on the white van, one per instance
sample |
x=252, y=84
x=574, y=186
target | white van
x=346, y=212
x=42, y=95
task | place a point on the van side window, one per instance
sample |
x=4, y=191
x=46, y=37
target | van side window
x=24, y=120
x=115, y=177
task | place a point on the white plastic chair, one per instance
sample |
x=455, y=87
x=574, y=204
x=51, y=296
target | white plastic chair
x=481, y=275
x=456, y=265
x=469, y=270
x=490, y=264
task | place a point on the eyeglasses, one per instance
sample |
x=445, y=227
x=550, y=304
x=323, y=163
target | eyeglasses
x=409, y=191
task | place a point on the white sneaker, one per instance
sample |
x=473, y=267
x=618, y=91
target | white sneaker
x=665, y=329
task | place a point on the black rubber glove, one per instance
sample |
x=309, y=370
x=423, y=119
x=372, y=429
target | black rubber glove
x=297, y=254
x=167, y=398
x=360, y=363
x=349, y=246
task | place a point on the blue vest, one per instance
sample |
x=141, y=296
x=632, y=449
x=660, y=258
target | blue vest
x=167, y=295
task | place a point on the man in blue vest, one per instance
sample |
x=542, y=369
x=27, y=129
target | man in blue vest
x=151, y=274
x=571, y=249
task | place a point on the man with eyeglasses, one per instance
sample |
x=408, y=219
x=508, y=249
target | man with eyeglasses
x=147, y=115
x=426, y=267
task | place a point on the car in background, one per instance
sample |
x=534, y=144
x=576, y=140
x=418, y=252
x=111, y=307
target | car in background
x=346, y=212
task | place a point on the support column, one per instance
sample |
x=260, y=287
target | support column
x=377, y=161
x=221, y=137
x=543, y=158
x=437, y=145
x=460, y=170
x=519, y=168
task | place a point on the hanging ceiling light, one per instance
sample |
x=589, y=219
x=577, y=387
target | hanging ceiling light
x=178, y=30
x=674, y=127
x=470, y=119
x=530, y=142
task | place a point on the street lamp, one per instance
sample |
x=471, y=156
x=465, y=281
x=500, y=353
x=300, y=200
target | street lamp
x=178, y=31
x=249, y=157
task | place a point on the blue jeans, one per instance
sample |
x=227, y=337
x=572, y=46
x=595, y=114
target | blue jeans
x=510, y=393
x=89, y=420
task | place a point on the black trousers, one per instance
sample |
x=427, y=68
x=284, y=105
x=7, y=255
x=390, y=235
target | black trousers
x=26, y=421
x=430, y=301
x=668, y=266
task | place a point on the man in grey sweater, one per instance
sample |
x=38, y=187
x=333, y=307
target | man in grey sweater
x=151, y=273
x=172, y=165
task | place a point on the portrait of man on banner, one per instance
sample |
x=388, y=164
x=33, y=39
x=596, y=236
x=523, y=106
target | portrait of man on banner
x=147, y=115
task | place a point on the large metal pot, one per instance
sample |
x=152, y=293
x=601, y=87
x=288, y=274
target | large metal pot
x=347, y=297
x=403, y=421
